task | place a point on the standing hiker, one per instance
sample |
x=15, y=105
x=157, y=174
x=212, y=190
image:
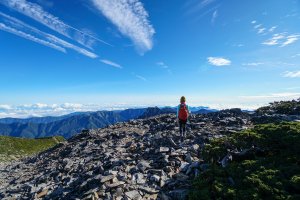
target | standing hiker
x=182, y=116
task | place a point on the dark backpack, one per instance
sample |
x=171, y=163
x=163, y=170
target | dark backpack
x=183, y=112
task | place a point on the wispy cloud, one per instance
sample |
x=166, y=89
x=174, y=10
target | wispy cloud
x=272, y=29
x=162, y=64
x=238, y=45
x=281, y=39
x=257, y=26
x=261, y=30
x=17, y=27
x=253, y=64
x=72, y=46
x=111, y=63
x=141, y=77
x=27, y=36
x=131, y=19
x=198, y=5
x=218, y=61
x=290, y=40
x=37, y=13
x=288, y=74
x=205, y=3
x=214, y=16
x=282, y=96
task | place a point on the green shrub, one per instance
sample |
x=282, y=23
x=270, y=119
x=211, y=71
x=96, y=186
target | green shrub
x=13, y=147
x=273, y=174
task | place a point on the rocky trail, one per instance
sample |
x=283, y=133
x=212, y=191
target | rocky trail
x=140, y=159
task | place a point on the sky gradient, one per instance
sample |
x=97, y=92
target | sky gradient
x=63, y=56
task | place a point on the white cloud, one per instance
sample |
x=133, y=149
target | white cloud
x=214, y=16
x=6, y=28
x=108, y=62
x=272, y=28
x=273, y=97
x=41, y=109
x=131, y=19
x=38, y=14
x=258, y=26
x=141, y=77
x=40, y=37
x=5, y=107
x=253, y=64
x=288, y=74
x=253, y=22
x=71, y=46
x=261, y=30
x=290, y=40
x=281, y=39
x=206, y=3
x=162, y=64
x=218, y=61
x=238, y=45
x=194, y=6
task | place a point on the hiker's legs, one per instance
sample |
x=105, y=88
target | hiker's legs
x=182, y=129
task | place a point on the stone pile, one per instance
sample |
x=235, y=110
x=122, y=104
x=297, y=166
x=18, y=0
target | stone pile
x=140, y=159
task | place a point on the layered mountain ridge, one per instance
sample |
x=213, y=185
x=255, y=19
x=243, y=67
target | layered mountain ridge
x=73, y=123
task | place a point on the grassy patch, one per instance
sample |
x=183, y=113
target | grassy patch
x=273, y=174
x=12, y=148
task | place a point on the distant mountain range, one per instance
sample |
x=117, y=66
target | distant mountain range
x=68, y=125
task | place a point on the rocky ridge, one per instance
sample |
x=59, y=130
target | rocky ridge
x=140, y=159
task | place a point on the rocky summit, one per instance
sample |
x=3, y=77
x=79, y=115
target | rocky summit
x=140, y=159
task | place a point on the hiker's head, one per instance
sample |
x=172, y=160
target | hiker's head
x=182, y=99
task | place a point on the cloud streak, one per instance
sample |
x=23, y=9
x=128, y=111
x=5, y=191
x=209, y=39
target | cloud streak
x=141, y=77
x=162, y=64
x=214, y=16
x=282, y=96
x=131, y=19
x=37, y=13
x=198, y=5
x=288, y=74
x=27, y=36
x=218, y=61
x=33, y=34
x=111, y=63
x=253, y=64
x=281, y=39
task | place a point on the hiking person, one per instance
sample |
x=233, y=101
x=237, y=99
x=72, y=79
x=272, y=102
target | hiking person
x=182, y=116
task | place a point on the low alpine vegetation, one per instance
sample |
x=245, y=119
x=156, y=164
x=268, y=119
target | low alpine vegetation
x=259, y=163
x=12, y=148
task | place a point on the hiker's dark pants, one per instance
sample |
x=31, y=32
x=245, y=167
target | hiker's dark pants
x=182, y=124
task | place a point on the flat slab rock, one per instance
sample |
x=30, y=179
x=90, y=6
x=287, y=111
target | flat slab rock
x=134, y=195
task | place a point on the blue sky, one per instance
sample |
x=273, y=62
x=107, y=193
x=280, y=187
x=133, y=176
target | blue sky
x=63, y=56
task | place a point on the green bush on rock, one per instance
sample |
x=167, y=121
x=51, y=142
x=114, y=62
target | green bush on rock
x=270, y=171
